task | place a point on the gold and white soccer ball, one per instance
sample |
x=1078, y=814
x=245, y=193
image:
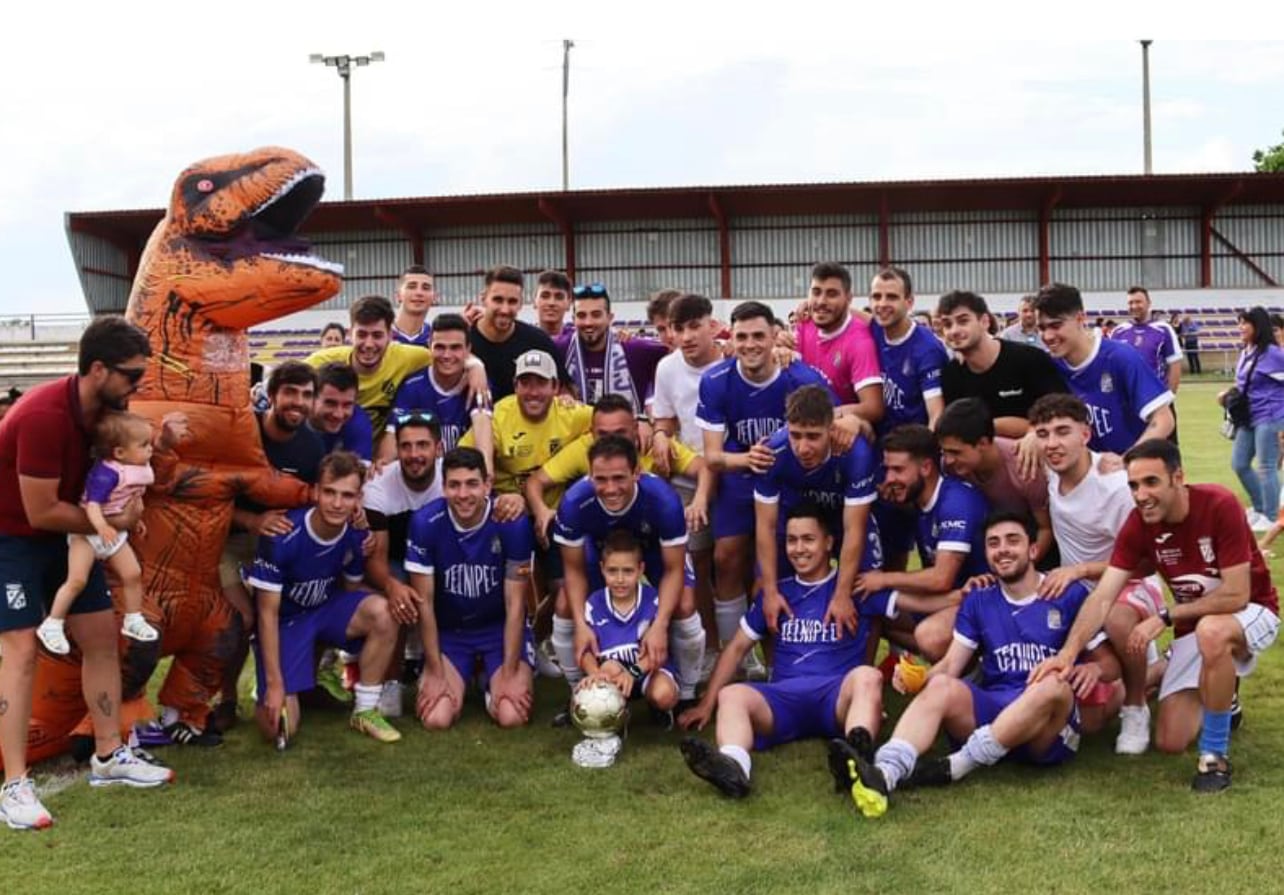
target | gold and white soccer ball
x=599, y=710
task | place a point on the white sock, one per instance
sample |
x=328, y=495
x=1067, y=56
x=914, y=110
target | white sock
x=739, y=756
x=727, y=615
x=52, y=622
x=980, y=749
x=564, y=648
x=367, y=696
x=687, y=635
x=896, y=759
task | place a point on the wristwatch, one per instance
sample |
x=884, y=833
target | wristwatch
x=1166, y=616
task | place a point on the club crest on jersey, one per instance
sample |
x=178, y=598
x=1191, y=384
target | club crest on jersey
x=554, y=445
x=1206, y=549
x=1054, y=618
x=496, y=546
x=1107, y=383
x=837, y=358
x=15, y=596
x=905, y=367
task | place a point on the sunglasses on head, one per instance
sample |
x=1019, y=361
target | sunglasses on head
x=410, y=417
x=592, y=290
x=133, y=374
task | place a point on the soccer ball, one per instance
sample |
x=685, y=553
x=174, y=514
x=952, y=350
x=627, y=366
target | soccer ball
x=598, y=709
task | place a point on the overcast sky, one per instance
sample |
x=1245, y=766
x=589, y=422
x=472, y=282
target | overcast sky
x=102, y=107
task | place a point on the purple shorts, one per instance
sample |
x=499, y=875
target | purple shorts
x=463, y=649
x=733, y=512
x=986, y=706
x=801, y=708
x=299, y=635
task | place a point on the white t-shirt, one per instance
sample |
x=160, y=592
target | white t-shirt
x=1086, y=521
x=677, y=388
x=388, y=493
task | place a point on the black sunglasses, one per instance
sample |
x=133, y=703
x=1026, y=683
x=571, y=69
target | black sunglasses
x=592, y=290
x=133, y=374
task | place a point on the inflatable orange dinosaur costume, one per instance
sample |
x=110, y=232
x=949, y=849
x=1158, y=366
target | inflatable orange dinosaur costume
x=224, y=258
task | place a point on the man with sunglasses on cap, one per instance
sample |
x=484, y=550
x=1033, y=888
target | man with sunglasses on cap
x=598, y=362
x=390, y=499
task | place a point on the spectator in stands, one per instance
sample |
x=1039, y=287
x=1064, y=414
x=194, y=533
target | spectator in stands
x=498, y=338
x=1188, y=330
x=1259, y=374
x=1026, y=327
x=7, y=399
x=415, y=295
x=552, y=299
x=1277, y=329
x=333, y=334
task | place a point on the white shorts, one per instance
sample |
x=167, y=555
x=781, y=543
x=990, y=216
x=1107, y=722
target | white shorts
x=101, y=550
x=1260, y=627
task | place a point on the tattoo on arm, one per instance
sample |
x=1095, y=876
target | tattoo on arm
x=103, y=702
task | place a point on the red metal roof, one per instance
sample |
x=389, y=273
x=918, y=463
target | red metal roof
x=1203, y=190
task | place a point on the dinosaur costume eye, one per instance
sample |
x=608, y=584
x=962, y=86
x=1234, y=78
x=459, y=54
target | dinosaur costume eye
x=205, y=186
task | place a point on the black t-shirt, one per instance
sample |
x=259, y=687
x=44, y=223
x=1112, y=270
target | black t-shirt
x=500, y=358
x=300, y=457
x=1020, y=375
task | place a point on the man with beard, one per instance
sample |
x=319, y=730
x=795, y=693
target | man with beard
x=470, y=576
x=406, y=484
x=44, y=458
x=415, y=296
x=336, y=417
x=440, y=390
x=909, y=354
x=1002, y=715
x=498, y=338
x=1226, y=611
x=1007, y=375
x=948, y=515
x=599, y=363
x=293, y=448
x=838, y=343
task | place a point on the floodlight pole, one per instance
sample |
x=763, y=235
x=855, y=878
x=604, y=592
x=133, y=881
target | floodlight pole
x=344, y=66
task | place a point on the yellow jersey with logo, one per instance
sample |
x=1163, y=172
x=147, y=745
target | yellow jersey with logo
x=523, y=446
x=376, y=390
x=572, y=461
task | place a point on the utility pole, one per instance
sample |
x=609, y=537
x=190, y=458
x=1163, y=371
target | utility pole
x=1145, y=102
x=566, y=89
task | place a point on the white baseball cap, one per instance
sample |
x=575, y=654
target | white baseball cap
x=538, y=362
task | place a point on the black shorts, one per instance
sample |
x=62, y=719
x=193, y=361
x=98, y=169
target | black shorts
x=31, y=571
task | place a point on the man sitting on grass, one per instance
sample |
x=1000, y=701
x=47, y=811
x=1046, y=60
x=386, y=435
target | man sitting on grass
x=302, y=602
x=1012, y=629
x=820, y=683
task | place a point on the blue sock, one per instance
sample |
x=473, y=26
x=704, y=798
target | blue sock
x=1214, y=737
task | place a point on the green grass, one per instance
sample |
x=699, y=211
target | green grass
x=479, y=810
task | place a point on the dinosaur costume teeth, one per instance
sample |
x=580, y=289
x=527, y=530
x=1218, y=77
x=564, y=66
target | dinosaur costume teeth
x=225, y=257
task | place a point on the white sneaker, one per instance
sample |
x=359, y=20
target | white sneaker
x=1259, y=523
x=127, y=768
x=135, y=627
x=1134, y=730
x=754, y=668
x=20, y=808
x=546, y=660
x=390, y=699
x=53, y=636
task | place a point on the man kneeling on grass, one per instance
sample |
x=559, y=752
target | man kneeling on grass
x=1014, y=630
x=821, y=684
x=301, y=602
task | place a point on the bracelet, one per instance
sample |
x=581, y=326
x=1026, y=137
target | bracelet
x=1165, y=616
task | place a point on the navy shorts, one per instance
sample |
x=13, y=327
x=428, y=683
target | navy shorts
x=31, y=570
x=299, y=634
x=463, y=649
x=733, y=512
x=801, y=708
x=897, y=528
x=986, y=706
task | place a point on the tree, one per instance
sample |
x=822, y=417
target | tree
x=1271, y=159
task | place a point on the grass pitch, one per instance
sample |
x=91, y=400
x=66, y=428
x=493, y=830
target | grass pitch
x=479, y=810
